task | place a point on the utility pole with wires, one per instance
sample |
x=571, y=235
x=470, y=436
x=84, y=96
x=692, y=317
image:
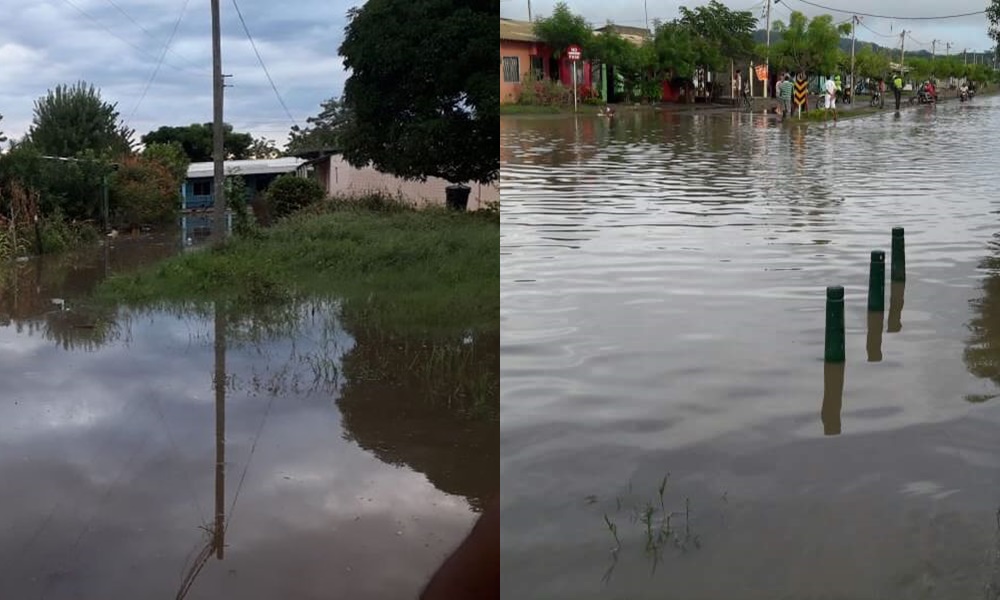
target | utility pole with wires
x=218, y=145
x=767, y=57
x=529, y=10
x=645, y=12
x=854, y=21
x=902, y=51
x=947, y=50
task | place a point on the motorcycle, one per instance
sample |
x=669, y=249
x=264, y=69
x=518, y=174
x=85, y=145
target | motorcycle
x=925, y=97
x=964, y=96
x=876, y=98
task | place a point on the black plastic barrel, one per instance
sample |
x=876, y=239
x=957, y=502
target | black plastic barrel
x=457, y=196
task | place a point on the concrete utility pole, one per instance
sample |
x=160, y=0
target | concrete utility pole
x=902, y=51
x=767, y=57
x=854, y=22
x=529, y=10
x=947, y=50
x=218, y=146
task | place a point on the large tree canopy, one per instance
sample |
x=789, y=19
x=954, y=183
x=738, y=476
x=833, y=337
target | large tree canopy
x=72, y=119
x=810, y=46
x=563, y=28
x=422, y=95
x=993, y=14
x=721, y=34
x=196, y=139
x=322, y=132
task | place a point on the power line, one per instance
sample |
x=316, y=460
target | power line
x=114, y=34
x=262, y=65
x=875, y=32
x=915, y=40
x=898, y=18
x=159, y=63
x=148, y=33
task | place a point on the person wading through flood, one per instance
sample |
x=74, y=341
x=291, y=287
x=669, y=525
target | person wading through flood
x=785, y=96
x=830, y=99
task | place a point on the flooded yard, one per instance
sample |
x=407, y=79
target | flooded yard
x=668, y=428
x=333, y=458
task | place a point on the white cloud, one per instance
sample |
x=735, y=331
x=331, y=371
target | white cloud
x=49, y=43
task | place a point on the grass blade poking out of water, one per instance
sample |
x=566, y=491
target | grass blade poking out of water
x=407, y=270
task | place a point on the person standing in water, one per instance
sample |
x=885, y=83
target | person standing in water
x=830, y=102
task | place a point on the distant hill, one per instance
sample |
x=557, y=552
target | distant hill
x=760, y=36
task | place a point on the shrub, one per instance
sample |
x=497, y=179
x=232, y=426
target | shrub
x=144, y=190
x=289, y=193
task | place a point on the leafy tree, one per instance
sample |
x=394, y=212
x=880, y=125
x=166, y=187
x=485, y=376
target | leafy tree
x=562, y=29
x=289, y=193
x=920, y=69
x=72, y=119
x=809, y=46
x=170, y=155
x=196, y=139
x=144, y=190
x=421, y=93
x=675, y=51
x=264, y=148
x=870, y=63
x=322, y=132
x=635, y=63
x=721, y=34
x=993, y=16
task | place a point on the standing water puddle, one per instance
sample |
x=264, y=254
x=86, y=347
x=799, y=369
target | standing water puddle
x=343, y=470
x=662, y=302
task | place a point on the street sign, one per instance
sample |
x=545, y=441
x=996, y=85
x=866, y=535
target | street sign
x=574, y=52
x=800, y=94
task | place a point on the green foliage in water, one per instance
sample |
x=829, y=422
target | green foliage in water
x=396, y=268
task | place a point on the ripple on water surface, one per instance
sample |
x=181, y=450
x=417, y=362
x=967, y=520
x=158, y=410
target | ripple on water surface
x=662, y=282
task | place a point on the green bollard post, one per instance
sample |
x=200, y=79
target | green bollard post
x=898, y=255
x=876, y=282
x=834, y=351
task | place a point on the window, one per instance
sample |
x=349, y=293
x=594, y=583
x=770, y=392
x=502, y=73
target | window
x=511, y=69
x=554, y=69
x=202, y=188
x=537, y=68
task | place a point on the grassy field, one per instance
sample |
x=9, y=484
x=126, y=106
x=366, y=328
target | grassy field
x=389, y=266
x=528, y=109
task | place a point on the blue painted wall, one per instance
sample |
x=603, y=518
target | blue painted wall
x=192, y=201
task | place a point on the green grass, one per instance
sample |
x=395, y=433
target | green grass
x=406, y=270
x=530, y=109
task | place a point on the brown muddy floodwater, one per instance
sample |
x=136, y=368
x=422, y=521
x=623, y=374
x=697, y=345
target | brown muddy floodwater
x=662, y=311
x=330, y=471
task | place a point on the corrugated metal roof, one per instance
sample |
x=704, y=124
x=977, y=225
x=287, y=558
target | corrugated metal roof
x=517, y=31
x=247, y=167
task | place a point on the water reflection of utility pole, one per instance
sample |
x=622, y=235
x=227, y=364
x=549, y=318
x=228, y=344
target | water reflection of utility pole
x=833, y=397
x=220, y=432
x=896, y=293
x=876, y=320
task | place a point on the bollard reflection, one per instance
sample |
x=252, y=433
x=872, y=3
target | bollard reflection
x=896, y=292
x=833, y=397
x=876, y=320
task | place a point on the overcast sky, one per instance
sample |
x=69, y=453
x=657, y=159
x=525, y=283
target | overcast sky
x=967, y=32
x=47, y=42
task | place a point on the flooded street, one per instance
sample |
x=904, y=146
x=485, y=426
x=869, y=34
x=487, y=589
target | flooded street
x=329, y=469
x=668, y=427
